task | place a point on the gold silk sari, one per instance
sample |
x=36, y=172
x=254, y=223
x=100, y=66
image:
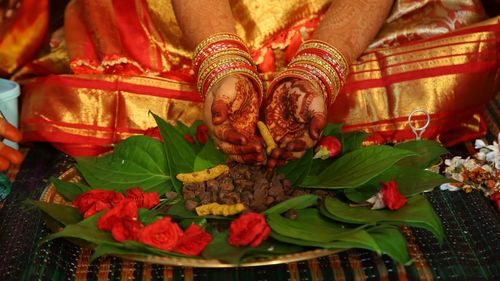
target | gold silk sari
x=120, y=59
x=23, y=25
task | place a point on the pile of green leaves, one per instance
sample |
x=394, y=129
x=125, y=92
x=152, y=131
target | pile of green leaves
x=332, y=223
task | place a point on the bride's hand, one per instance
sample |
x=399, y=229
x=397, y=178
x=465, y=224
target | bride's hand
x=231, y=112
x=296, y=115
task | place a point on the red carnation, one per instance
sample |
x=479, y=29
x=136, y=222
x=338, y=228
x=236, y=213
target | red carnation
x=188, y=138
x=495, y=198
x=202, y=133
x=194, y=241
x=143, y=199
x=94, y=201
x=390, y=195
x=162, y=234
x=126, y=229
x=327, y=147
x=249, y=229
x=96, y=208
x=125, y=209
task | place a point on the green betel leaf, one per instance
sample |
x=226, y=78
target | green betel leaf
x=357, y=239
x=295, y=171
x=416, y=212
x=429, y=153
x=296, y=203
x=130, y=248
x=180, y=153
x=357, y=167
x=138, y=161
x=332, y=129
x=86, y=230
x=352, y=141
x=64, y=215
x=391, y=242
x=220, y=249
x=69, y=190
x=310, y=225
x=209, y=157
x=411, y=181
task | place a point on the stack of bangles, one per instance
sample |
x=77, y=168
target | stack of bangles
x=319, y=63
x=222, y=55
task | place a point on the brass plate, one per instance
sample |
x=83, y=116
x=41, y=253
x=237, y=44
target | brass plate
x=71, y=175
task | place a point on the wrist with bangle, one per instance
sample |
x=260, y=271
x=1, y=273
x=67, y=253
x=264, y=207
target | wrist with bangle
x=321, y=64
x=219, y=56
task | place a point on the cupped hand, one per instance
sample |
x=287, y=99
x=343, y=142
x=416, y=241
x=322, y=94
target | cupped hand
x=231, y=112
x=9, y=155
x=295, y=115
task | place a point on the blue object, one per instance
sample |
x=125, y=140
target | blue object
x=5, y=186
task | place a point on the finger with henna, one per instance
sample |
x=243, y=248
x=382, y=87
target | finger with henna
x=219, y=112
x=251, y=158
x=229, y=148
x=317, y=124
x=228, y=134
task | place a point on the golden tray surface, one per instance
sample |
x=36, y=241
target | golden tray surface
x=50, y=195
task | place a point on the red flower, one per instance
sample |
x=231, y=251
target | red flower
x=126, y=229
x=194, y=241
x=496, y=200
x=96, y=200
x=202, y=133
x=162, y=234
x=189, y=138
x=125, y=209
x=96, y=208
x=328, y=147
x=143, y=199
x=249, y=229
x=390, y=195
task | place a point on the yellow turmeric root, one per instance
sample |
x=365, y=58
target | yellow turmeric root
x=217, y=209
x=203, y=175
x=266, y=135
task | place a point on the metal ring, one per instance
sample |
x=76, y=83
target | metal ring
x=419, y=131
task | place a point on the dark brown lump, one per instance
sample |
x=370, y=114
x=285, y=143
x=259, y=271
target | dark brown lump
x=243, y=184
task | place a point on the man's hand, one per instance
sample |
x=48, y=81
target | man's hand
x=9, y=155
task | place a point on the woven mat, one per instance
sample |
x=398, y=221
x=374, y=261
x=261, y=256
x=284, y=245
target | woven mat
x=471, y=250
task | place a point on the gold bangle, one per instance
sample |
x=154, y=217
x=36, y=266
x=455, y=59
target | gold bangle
x=334, y=52
x=216, y=37
x=243, y=71
x=229, y=52
x=299, y=74
x=322, y=65
x=204, y=73
x=325, y=80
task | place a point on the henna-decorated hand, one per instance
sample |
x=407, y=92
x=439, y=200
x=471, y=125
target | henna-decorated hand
x=296, y=115
x=9, y=155
x=231, y=112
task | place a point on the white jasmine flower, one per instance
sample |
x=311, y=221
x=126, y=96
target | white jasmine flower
x=479, y=144
x=377, y=201
x=481, y=156
x=470, y=164
x=448, y=186
x=457, y=177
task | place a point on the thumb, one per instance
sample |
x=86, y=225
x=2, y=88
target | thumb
x=318, y=123
x=219, y=111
